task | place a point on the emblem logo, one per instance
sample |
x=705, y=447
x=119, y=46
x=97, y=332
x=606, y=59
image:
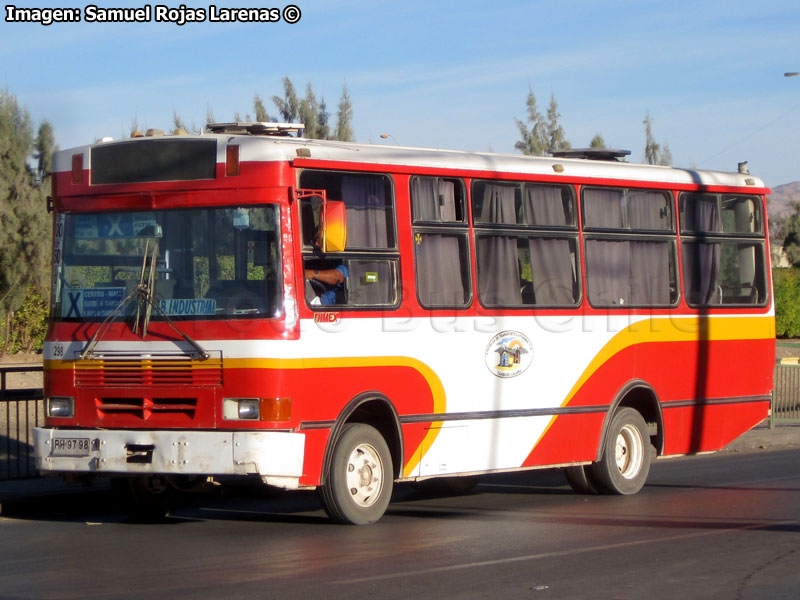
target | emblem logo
x=509, y=354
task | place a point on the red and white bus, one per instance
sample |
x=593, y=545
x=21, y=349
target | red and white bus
x=345, y=316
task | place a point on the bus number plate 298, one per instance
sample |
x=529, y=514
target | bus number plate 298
x=70, y=447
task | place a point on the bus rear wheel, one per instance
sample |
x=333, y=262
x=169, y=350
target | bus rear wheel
x=359, y=483
x=625, y=461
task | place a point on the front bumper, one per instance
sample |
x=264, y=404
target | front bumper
x=276, y=456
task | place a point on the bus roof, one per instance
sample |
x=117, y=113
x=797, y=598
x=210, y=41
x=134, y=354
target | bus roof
x=265, y=148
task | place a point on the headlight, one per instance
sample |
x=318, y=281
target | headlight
x=257, y=409
x=240, y=409
x=61, y=407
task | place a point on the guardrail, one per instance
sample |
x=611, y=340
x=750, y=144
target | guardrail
x=20, y=411
x=786, y=395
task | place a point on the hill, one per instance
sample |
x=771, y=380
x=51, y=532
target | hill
x=779, y=201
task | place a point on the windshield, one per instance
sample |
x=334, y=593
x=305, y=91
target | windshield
x=203, y=262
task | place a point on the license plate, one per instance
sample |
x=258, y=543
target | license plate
x=70, y=447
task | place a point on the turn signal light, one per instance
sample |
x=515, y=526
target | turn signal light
x=231, y=161
x=77, y=169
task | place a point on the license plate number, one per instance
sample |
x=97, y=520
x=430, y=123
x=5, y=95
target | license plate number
x=70, y=447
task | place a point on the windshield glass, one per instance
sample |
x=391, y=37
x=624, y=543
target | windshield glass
x=203, y=262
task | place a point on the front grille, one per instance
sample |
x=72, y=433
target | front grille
x=124, y=370
x=145, y=408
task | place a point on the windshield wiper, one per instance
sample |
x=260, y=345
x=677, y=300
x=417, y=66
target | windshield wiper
x=145, y=302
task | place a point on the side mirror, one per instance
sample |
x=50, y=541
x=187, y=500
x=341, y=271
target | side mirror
x=334, y=226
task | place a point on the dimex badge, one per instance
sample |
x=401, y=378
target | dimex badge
x=509, y=354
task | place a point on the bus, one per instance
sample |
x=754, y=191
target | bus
x=318, y=314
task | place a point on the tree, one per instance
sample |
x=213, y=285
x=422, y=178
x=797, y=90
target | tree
x=654, y=154
x=45, y=146
x=261, y=110
x=24, y=226
x=791, y=231
x=308, y=111
x=344, y=117
x=288, y=106
x=556, y=139
x=597, y=142
x=533, y=131
x=323, y=129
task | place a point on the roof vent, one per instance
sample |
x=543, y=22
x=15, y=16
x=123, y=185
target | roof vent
x=591, y=153
x=258, y=128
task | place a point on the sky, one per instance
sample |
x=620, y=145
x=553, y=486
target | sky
x=439, y=74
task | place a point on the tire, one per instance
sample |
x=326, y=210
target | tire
x=582, y=479
x=147, y=498
x=625, y=462
x=359, y=483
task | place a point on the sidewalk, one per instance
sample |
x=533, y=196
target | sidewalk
x=758, y=439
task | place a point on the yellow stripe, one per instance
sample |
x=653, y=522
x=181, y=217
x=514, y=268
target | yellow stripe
x=434, y=383
x=673, y=329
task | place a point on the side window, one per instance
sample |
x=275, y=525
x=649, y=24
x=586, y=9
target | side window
x=365, y=274
x=526, y=244
x=631, y=272
x=369, y=200
x=441, y=243
x=630, y=247
x=525, y=270
x=627, y=209
x=723, y=250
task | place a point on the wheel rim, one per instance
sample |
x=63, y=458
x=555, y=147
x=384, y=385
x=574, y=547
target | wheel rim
x=364, y=475
x=629, y=452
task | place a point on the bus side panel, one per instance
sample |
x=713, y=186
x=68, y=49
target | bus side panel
x=692, y=429
x=570, y=438
x=314, y=452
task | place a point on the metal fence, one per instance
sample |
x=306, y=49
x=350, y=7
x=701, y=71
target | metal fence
x=20, y=411
x=786, y=395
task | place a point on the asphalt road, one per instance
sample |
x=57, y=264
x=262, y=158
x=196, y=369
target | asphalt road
x=723, y=526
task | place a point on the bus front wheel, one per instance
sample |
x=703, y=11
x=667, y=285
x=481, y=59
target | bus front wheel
x=359, y=482
x=625, y=461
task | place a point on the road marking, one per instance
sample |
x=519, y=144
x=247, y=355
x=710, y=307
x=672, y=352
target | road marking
x=560, y=553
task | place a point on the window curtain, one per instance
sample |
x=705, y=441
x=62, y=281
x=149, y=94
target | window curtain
x=650, y=279
x=701, y=272
x=648, y=210
x=447, y=200
x=603, y=208
x=701, y=213
x=499, y=204
x=608, y=269
x=545, y=206
x=439, y=279
x=551, y=267
x=423, y=199
x=365, y=200
x=498, y=271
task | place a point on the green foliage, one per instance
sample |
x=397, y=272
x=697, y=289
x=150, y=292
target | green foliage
x=533, y=131
x=539, y=134
x=556, y=139
x=790, y=228
x=24, y=223
x=344, y=117
x=654, y=153
x=311, y=111
x=29, y=323
x=597, y=142
x=786, y=283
